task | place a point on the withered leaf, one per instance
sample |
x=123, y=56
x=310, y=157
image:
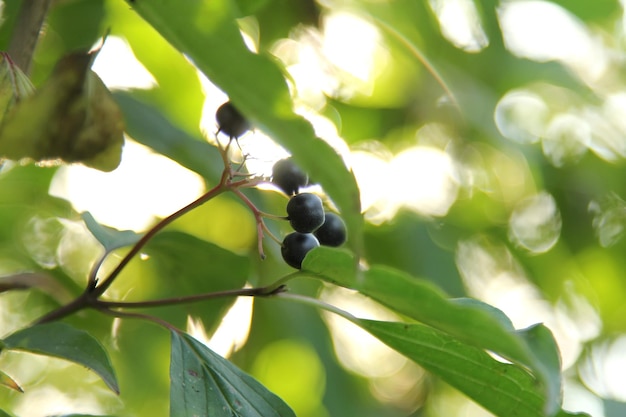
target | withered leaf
x=72, y=117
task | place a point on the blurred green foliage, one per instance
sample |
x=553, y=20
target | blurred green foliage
x=538, y=141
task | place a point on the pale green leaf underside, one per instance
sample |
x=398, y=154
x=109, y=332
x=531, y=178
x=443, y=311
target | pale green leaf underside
x=109, y=238
x=63, y=341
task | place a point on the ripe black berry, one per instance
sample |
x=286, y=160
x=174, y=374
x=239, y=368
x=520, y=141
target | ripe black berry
x=287, y=176
x=295, y=247
x=305, y=212
x=332, y=232
x=231, y=121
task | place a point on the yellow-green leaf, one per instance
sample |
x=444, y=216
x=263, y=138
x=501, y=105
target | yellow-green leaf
x=7, y=381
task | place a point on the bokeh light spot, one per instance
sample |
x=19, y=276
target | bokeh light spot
x=423, y=179
x=293, y=371
x=460, y=24
x=521, y=116
x=535, y=224
x=145, y=185
x=566, y=139
x=603, y=368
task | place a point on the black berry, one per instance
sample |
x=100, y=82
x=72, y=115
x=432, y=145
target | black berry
x=295, y=247
x=332, y=232
x=231, y=121
x=305, y=212
x=287, y=176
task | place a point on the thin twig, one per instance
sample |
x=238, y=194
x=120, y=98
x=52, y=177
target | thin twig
x=79, y=303
x=270, y=234
x=258, y=218
x=100, y=289
x=125, y=314
x=91, y=295
x=187, y=299
x=314, y=302
x=92, y=281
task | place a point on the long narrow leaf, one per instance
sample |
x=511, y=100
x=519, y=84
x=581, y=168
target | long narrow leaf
x=148, y=126
x=470, y=321
x=504, y=389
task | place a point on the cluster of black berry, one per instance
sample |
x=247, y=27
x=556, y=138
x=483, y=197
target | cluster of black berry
x=312, y=225
x=305, y=211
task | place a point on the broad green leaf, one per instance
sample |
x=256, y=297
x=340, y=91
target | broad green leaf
x=208, y=34
x=9, y=382
x=187, y=265
x=4, y=414
x=506, y=390
x=109, y=238
x=205, y=384
x=149, y=127
x=472, y=322
x=178, y=93
x=76, y=24
x=63, y=341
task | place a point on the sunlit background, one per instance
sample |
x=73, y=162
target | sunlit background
x=426, y=169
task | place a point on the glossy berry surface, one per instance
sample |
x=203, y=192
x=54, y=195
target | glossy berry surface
x=295, y=247
x=305, y=212
x=230, y=121
x=287, y=176
x=332, y=232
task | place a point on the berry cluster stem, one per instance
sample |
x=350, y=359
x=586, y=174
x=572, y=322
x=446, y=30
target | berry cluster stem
x=261, y=227
x=230, y=180
x=94, y=291
x=215, y=191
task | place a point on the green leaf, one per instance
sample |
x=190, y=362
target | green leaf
x=109, y=237
x=4, y=414
x=489, y=309
x=472, y=322
x=149, y=127
x=63, y=341
x=504, y=389
x=187, y=265
x=205, y=384
x=543, y=346
x=178, y=93
x=208, y=34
